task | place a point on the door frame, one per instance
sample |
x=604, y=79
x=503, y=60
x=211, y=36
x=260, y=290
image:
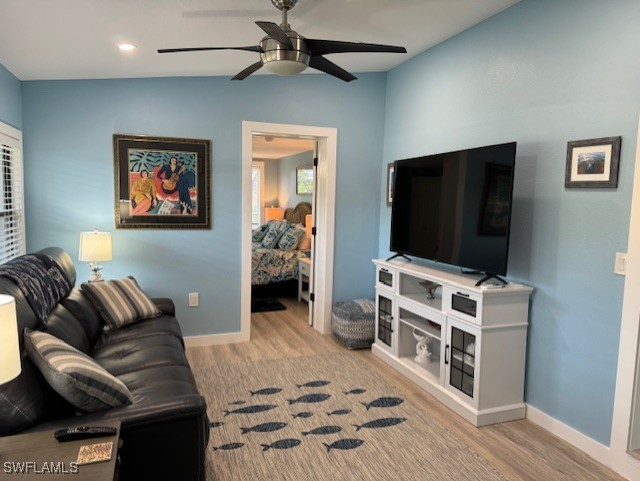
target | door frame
x=621, y=460
x=324, y=218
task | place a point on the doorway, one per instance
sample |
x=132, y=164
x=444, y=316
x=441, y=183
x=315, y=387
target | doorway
x=283, y=197
x=625, y=432
x=324, y=218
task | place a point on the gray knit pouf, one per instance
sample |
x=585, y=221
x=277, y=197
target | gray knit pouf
x=353, y=322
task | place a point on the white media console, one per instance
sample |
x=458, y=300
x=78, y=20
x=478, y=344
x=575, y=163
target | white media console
x=476, y=338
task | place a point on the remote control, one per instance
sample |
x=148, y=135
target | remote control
x=84, y=432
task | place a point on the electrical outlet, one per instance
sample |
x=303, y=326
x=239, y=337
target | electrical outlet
x=620, y=267
x=193, y=299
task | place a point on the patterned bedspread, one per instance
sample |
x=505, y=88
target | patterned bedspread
x=272, y=265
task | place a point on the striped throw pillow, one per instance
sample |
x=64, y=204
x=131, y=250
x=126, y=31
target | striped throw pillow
x=120, y=302
x=74, y=375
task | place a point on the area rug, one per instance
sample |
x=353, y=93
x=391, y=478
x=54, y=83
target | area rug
x=266, y=305
x=323, y=418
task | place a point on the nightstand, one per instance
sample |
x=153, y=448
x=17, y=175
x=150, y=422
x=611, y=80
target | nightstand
x=304, y=272
x=32, y=455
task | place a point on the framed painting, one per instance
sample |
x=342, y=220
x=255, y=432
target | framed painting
x=593, y=163
x=161, y=182
x=304, y=180
x=390, y=173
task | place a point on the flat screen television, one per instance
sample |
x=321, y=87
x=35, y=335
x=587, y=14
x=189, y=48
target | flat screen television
x=455, y=207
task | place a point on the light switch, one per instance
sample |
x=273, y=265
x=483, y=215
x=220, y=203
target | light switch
x=621, y=263
x=193, y=299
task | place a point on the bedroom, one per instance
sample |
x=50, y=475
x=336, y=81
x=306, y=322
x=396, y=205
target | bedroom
x=282, y=192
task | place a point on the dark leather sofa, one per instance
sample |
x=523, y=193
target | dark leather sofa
x=165, y=429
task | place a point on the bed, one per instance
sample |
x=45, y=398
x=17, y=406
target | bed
x=274, y=271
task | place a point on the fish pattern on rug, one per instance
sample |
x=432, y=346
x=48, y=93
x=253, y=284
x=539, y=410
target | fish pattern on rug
x=313, y=398
x=324, y=418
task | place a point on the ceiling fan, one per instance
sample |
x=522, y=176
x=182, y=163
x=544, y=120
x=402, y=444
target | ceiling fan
x=285, y=52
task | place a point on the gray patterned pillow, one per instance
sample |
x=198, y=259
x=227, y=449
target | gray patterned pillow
x=258, y=234
x=274, y=232
x=74, y=375
x=290, y=239
x=120, y=302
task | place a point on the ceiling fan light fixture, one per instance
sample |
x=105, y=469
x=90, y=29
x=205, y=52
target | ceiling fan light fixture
x=126, y=47
x=285, y=68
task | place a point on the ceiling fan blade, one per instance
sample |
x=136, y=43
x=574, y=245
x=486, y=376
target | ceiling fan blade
x=321, y=63
x=275, y=32
x=323, y=47
x=250, y=48
x=247, y=71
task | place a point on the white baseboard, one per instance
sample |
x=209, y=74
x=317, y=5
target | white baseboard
x=215, y=339
x=597, y=451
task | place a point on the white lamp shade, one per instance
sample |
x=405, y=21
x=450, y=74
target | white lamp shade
x=95, y=246
x=308, y=224
x=9, y=341
x=273, y=213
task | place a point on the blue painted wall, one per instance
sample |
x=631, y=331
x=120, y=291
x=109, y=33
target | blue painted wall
x=10, y=99
x=70, y=182
x=542, y=73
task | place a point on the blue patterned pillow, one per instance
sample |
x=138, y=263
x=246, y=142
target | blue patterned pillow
x=290, y=239
x=274, y=232
x=258, y=234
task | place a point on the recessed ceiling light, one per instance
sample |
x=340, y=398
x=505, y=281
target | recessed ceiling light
x=126, y=47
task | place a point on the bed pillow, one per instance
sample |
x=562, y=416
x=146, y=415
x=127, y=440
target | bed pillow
x=74, y=375
x=258, y=234
x=290, y=239
x=274, y=232
x=120, y=302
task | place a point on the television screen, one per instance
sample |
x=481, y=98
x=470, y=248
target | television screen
x=455, y=207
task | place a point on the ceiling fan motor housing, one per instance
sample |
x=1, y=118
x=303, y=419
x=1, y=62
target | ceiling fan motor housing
x=284, y=61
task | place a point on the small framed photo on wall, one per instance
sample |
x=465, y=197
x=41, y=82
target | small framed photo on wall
x=390, y=174
x=593, y=163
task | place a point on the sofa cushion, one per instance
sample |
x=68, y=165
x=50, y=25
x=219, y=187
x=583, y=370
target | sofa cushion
x=63, y=325
x=120, y=302
x=131, y=355
x=74, y=375
x=151, y=327
x=78, y=304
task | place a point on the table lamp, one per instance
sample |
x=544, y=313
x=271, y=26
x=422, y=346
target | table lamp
x=273, y=213
x=9, y=342
x=95, y=247
x=308, y=225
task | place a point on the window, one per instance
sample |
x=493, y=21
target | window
x=12, y=231
x=257, y=194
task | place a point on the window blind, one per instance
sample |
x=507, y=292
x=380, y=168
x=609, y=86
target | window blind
x=12, y=229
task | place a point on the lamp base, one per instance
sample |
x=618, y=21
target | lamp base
x=96, y=276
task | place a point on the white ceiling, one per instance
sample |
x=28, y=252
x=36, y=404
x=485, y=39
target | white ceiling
x=76, y=39
x=269, y=147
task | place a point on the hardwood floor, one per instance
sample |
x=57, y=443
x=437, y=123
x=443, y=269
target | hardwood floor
x=519, y=450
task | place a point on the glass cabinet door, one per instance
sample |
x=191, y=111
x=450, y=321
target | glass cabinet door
x=462, y=360
x=385, y=320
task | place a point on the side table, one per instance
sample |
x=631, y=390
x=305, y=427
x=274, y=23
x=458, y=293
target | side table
x=304, y=271
x=29, y=456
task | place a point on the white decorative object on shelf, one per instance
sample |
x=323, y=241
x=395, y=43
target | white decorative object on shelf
x=422, y=349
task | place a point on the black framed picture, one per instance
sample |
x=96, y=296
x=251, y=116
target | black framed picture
x=593, y=163
x=161, y=182
x=390, y=173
